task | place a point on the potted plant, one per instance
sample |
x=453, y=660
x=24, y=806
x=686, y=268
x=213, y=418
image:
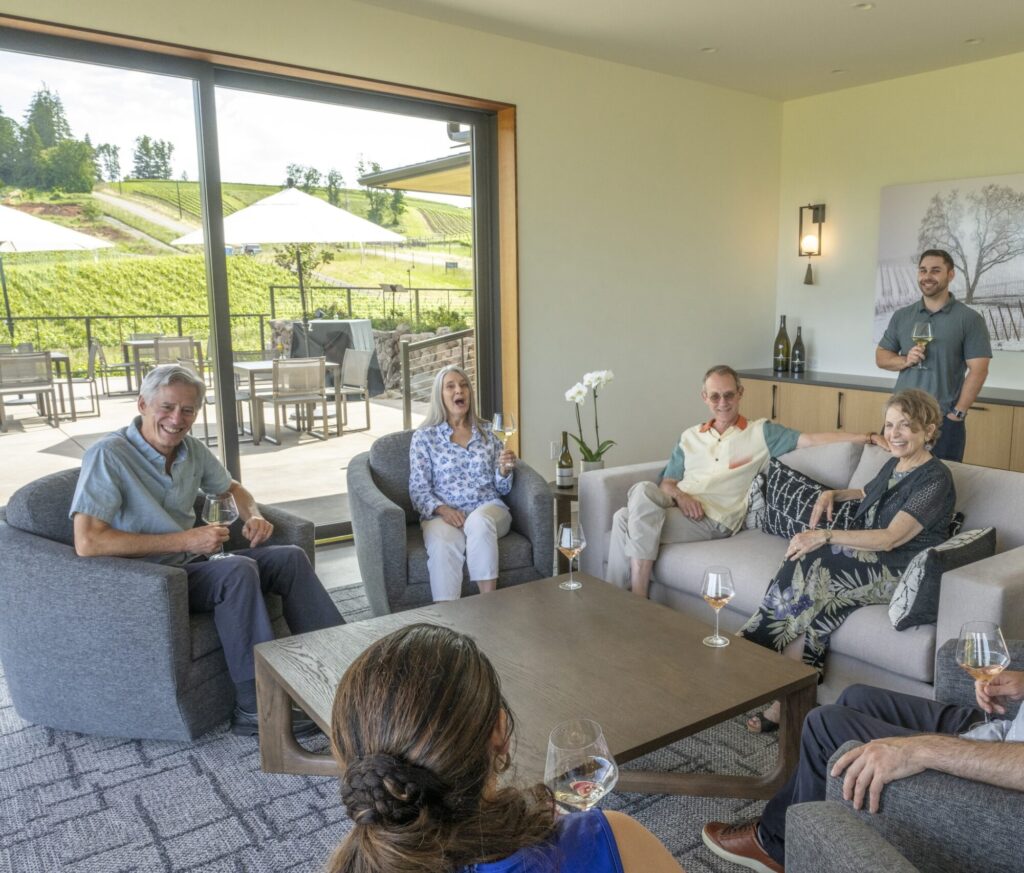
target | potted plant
x=591, y=458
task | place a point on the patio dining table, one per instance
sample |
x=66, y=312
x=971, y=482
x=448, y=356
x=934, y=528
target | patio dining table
x=265, y=369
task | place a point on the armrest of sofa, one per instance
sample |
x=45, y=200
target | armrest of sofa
x=824, y=837
x=988, y=590
x=953, y=685
x=379, y=527
x=289, y=530
x=530, y=503
x=602, y=493
x=942, y=822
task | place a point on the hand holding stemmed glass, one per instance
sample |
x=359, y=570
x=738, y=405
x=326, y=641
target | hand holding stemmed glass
x=571, y=542
x=580, y=769
x=503, y=426
x=717, y=590
x=220, y=509
x=981, y=651
x=922, y=335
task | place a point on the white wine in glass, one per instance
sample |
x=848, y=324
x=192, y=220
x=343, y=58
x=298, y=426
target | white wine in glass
x=580, y=769
x=717, y=590
x=503, y=426
x=922, y=335
x=981, y=651
x=219, y=509
x=571, y=542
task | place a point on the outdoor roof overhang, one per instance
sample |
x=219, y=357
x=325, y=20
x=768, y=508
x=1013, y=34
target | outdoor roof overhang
x=447, y=175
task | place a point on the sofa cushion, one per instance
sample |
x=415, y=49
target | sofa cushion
x=832, y=464
x=389, y=465
x=991, y=498
x=868, y=636
x=916, y=598
x=514, y=553
x=41, y=507
x=755, y=503
x=789, y=498
x=871, y=460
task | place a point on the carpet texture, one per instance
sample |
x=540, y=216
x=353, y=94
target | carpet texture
x=79, y=804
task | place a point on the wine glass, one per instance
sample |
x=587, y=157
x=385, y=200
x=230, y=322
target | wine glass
x=579, y=769
x=503, y=426
x=717, y=590
x=571, y=542
x=219, y=509
x=981, y=651
x=922, y=335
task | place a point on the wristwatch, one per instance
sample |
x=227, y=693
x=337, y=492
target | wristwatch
x=959, y=415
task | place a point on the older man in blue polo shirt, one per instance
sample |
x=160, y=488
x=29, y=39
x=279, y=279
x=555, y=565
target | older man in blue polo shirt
x=135, y=499
x=954, y=365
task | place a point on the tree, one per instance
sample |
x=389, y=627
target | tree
x=46, y=117
x=68, y=166
x=10, y=146
x=992, y=234
x=376, y=198
x=397, y=206
x=151, y=158
x=27, y=171
x=108, y=161
x=334, y=182
x=312, y=257
x=162, y=151
x=310, y=179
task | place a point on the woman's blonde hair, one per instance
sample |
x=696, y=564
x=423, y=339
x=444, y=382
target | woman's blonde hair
x=412, y=730
x=920, y=408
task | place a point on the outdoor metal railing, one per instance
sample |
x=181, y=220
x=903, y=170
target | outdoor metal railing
x=354, y=301
x=417, y=377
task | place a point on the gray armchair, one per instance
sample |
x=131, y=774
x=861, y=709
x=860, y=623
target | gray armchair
x=108, y=645
x=931, y=822
x=389, y=545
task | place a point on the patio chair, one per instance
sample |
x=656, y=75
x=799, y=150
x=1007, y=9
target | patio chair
x=8, y=349
x=355, y=382
x=144, y=336
x=107, y=645
x=89, y=380
x=28, y=374
x=241, y=396
x=297, y=382
x=171, y=349
x=98, y=361
x=389, y=543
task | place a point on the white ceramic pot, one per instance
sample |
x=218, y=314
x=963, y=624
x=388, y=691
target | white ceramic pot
x=586, y=466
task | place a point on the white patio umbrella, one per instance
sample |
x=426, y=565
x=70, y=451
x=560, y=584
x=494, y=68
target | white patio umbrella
x=293, y=217
x=21, y=232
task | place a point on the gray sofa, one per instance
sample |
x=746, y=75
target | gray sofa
x=866, y=648
x=389, y=543
x=932, y=822
x=108, y=645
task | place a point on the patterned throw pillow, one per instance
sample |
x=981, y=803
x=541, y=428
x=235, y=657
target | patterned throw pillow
x=789, y=497
x=916, y=598
x=755, y=503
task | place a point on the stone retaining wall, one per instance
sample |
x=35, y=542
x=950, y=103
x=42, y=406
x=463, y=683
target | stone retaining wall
x=424, y=363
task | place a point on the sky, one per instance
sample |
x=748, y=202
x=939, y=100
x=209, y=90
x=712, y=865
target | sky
x=259, y=135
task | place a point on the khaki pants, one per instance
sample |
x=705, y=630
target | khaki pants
x=650, y=519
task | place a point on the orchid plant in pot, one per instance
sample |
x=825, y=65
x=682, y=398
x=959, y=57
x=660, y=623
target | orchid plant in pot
x=592, y=458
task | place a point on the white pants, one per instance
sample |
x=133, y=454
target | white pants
x=475, y=544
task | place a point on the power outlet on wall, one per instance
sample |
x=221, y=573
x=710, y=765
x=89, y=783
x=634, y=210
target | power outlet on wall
x=555, y=450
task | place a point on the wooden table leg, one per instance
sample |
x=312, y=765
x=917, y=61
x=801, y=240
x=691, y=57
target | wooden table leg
x=279, y=752
x=795, y=707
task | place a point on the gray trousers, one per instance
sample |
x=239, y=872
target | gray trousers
x=649, y=520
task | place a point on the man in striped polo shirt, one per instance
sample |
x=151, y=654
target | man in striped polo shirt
x=702, y=492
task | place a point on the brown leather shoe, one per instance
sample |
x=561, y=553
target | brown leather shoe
x=739, y=844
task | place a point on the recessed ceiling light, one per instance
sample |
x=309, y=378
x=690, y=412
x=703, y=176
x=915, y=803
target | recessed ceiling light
x=709, y=49
x=863, y=7
x=838, y=71
x=974, y=40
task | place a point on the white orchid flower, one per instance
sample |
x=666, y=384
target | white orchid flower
x=598, y=378
x=577, y=394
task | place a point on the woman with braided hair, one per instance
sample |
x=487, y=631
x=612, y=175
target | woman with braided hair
x=422, y=732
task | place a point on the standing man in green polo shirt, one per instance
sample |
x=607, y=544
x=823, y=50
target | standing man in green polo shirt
x=956, y=360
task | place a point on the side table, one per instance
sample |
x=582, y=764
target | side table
x=564, y=499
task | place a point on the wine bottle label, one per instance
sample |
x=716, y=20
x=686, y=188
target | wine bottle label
x=563, y=477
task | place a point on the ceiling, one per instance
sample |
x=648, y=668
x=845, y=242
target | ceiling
x=781, y=49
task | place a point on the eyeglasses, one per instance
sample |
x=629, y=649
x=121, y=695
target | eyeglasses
x=728, y=397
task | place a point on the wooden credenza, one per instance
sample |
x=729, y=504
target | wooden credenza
x=830, y=401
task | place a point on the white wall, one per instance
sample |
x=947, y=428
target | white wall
x=843, y=148
x=647, y=204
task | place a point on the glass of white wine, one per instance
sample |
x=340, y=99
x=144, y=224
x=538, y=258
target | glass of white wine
x=981, y=651
x=717, y=590
x=220, y=509
x=503, y=426
x=922, y=335
x=580, y=769
x=571, y=542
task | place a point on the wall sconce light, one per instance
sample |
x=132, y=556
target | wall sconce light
x=812, y=217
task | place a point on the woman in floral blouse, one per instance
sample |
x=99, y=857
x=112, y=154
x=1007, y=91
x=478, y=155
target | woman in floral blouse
x=458, y=472
x=829, y=573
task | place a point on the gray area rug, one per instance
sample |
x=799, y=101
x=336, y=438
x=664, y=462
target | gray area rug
x=79, y=804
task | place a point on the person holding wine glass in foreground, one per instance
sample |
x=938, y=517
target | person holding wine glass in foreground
x=902, y=735
x=422, y=736
x=458, y=472
x=827, y=574
x=135, y=499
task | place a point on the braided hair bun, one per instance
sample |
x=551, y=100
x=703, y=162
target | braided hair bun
x=387, y=790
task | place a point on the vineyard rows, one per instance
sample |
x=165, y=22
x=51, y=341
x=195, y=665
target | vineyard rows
x=447, y=224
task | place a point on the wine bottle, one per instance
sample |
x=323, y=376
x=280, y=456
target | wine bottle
x=780, y=351
x=798, y=361
x=563, y=472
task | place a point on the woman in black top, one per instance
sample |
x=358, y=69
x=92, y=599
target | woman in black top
x=828, y=573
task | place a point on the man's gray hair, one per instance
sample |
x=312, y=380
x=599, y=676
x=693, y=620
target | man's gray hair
x=721, y=370
x=171, y=374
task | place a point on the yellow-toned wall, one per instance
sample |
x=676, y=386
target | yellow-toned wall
x=647, y=204
x=843, y=148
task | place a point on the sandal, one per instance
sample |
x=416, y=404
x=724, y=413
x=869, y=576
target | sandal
x=764, y=724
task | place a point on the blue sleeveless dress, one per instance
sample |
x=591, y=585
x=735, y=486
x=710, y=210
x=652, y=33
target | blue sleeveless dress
x=582, y=843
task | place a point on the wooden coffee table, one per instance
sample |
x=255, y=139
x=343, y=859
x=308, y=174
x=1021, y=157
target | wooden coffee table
x=636, y=667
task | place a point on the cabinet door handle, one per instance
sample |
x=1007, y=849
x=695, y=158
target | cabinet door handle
x=979, y=409
x=839, y=412
x=775, y=389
